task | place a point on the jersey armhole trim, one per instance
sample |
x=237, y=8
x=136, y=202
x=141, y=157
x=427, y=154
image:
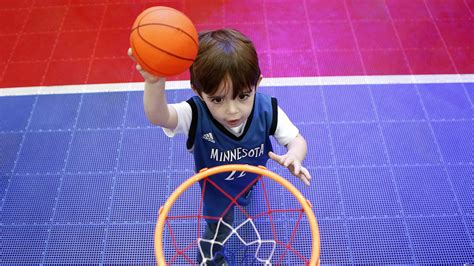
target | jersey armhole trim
x=192, y=128
x=274, y=116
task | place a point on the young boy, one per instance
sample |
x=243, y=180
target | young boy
x=227, y=122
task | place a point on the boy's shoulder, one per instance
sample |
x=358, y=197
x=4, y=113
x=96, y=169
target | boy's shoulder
x=266, y=102
x=266, y=98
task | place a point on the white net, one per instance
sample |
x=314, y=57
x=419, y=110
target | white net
x=265, y=259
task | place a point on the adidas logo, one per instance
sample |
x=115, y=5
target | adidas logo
x=209, y=137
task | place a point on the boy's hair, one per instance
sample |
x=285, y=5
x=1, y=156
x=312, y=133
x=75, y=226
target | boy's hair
x=224, y=55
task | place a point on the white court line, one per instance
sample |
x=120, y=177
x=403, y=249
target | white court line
x=266, y=82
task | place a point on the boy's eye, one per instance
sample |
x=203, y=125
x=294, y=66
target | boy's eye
x=244, y=96
x=217, y=100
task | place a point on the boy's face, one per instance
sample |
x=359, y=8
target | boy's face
x=227, y=111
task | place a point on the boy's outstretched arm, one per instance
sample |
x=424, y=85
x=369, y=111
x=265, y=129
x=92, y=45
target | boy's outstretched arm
x=155, y=104
x=293, y=159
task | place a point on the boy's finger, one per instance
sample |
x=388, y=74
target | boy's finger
x=271, y=155
x=275, y=157
x=130, y=54
x=306, y=182
x=297, y=167
x=288, y=161
x=304, y=179
x=305, y=174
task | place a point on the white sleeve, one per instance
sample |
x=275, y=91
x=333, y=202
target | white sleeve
x=285, y=131
x=185, y=115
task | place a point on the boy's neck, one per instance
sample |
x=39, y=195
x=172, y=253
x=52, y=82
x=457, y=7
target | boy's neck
x=238, y=130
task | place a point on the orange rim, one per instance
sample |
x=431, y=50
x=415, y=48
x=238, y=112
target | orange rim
x=260, y=170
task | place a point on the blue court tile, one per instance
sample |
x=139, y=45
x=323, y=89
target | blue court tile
x=15, y=112
x=348, y=103
x=189, y=201
x=319, y=145
x=266, y=196
x=379, y=241
x=368, y=192
x=94, y=151
x=445, y=101
x=175, y=178
x=181, y=158
x=84, y=198
x=30, y=199
x=440, y=240
x=299, y=237
x=136, y=117
x=470, y=90
x=335, y=248
x=145, y=150
x=410, y=143
x=397, y=102
x=456, y=140
x=75, y=244
x=102, y=110
x=425, y=190
x=43, y=152
x=53, y=112
x=324, y=194
x=22, y=245
x=176, y=96
x=462, y=178
x=268, y=90
x=301, y=104
x=184, y=233
x=181, y=206
x=135, y=113
x=9, y=147
x=4, y=181
x=358, y=144
x=469, y=219
x=138, y=197
x=130, y=244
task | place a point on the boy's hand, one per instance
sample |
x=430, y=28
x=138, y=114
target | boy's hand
x=293, y=164
x=146, y=76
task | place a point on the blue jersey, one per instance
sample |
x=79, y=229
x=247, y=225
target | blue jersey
x=213, y=145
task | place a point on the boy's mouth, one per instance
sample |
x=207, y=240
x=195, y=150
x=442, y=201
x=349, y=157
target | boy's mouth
x=233, y=123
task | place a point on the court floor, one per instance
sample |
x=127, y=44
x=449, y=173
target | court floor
x=83, y=175
x=384, y=98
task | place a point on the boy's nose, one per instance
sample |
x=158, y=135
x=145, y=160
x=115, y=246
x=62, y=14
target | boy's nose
x=231, y=107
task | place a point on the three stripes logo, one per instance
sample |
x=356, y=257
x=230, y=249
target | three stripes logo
x=209, y=137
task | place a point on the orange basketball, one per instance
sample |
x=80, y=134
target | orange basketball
x=164, y=41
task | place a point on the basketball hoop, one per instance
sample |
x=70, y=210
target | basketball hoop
x=258, y=241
